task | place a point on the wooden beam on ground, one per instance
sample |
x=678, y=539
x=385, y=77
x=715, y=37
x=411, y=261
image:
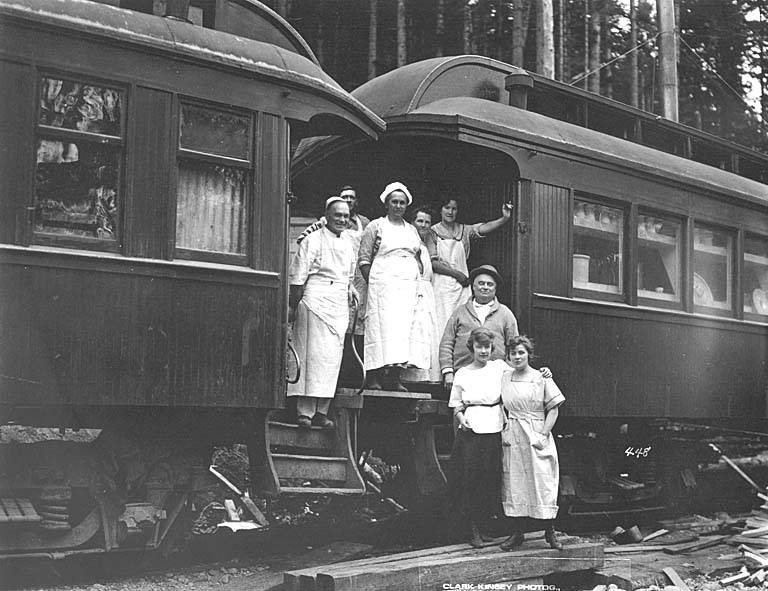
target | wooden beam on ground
x=331, y=553
x=656, y=534
x=675, y=578
x=469, y=567
x=710, y=541
x=743, y=574
x=755, y=533
x=735, y=540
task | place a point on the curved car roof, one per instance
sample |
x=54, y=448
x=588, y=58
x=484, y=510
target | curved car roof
x=167, y=35
x=468, y=91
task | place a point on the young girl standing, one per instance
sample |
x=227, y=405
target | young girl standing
x=475, y=458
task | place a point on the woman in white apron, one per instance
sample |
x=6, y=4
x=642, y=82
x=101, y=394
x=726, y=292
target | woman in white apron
x=390, y=260
x=450, y=281
x=530, y=475
x=425, y=340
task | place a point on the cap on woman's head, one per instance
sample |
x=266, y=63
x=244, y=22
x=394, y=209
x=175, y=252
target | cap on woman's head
x=485, y=270
x=396, y=186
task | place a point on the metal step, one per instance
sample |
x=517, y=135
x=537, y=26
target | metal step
x=18, y=510
x=287, y=435
x=310, y=467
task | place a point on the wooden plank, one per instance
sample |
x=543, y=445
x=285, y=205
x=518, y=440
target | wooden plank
x=426, y=553
x=656, y=534
x=711, y=541
x=310, y=467
x=755, y=533
x=675, y=578
x=735, y=540
x=438, y=553
x=335, y=552
x=492, y=567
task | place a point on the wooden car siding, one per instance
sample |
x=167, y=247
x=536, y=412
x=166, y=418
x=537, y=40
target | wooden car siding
x=101, y=338
x=686, y=368
x=16, y=149
x=550, y=239
x=148, y=174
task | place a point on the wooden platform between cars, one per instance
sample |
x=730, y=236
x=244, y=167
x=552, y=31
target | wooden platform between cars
x=455, y=564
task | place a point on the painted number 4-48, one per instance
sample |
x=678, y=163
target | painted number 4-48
x=638, y=452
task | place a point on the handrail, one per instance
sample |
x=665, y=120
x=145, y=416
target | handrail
x=298, y=365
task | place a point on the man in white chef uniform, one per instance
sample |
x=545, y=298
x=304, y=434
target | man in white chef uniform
x=320, y=294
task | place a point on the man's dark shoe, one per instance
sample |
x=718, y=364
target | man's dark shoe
x=304, y=422
x=322, y=421
x=513, y=541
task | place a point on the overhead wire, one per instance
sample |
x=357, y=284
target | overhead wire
x=714, y=71
x=608, y=63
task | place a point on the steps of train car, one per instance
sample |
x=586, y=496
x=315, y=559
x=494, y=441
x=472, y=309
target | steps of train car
x=302, y=460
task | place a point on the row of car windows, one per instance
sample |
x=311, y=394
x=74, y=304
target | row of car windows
x=80, y=141
x=599, y=259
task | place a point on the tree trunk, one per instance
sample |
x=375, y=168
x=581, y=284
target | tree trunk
x=373, y=31
x=439, y=28
x=402, y=40
x=545, y=47
x=519, y=32
x=594, y=52
x=500, y=14
x=606, y=41
x=468, y=32
x=560, y=55
x=633, y=57
x=586, y=44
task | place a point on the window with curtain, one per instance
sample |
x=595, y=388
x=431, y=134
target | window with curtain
x=214, y=174
x=79, y=149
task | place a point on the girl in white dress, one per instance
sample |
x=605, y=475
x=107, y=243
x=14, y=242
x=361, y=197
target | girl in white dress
x=530, y=475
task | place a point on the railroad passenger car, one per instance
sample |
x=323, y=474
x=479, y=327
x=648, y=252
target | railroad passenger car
x=638, y=256
x=144, y=197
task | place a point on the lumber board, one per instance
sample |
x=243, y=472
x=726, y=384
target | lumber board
x=675, y=578
x=652, y=546
x=755, y=533
x=656, y=534
x=469, y=567
x=453, y=549
x=711, y=541
x=334, y=552
x=762, y=542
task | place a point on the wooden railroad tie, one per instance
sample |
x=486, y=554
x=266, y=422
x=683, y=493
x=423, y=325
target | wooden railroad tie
x=459, y=563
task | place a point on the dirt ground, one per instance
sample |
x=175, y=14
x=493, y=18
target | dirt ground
x=261, y=570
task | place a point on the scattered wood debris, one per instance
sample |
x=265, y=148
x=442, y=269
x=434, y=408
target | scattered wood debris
x=752, y=546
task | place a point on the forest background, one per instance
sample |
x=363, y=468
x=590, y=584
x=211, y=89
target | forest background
x=722, y=48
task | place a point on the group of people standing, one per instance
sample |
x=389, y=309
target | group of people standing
x=423, y=316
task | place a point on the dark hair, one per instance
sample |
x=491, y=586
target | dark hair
x=523, y=340
x=423, y=209
x=347, y=188
x=447, y=199
x=481, y=336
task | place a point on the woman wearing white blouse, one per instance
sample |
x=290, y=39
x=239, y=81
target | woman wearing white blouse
x=475, y=458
